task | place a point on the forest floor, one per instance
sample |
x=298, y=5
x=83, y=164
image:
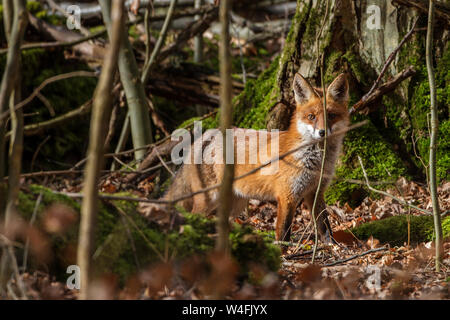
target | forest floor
x=373, y=270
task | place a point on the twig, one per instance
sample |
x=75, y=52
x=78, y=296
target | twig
x=101, y=111
x=36, y=128
x=123, y=163
x=355, y=256
x=33, y=218
x=71, y=171
x=159, y=43
x=386, y=193
x=47, y=104
x=418, y=156
x=20, y=283
x=226, y=120
x=111, y=126
x=164, y=163
x=324, y=99
x=155, y=144
x=55, y=44
x=149, y=11
x=37, y=152
x=241, y=55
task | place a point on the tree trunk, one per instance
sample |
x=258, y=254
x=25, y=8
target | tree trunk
x=226, y=115
x=433, y=139
x=101, y=111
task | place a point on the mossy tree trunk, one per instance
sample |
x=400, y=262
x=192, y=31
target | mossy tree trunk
x=357, y=38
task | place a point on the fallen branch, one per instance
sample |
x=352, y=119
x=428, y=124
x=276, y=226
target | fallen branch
x=383, y=89
x=300, y=254
x=355, y=256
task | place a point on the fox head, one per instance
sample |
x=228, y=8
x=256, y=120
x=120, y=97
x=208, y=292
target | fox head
x=309, y=115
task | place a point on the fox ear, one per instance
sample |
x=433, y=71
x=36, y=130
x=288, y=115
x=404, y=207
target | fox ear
x=302, y=89
x=338, y=89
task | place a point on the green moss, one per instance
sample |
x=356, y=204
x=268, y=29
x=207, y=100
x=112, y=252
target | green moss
x=333, y=61
x=394, y=230
x=96, y=29
x=252, y=106
x=356, y=67
x=249, y=247
x=133, y=32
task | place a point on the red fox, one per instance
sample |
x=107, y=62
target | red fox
x=296, y=176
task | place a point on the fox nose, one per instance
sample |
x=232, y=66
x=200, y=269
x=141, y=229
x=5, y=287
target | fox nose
x=322, y=133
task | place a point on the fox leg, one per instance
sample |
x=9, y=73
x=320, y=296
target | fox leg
x=321, y=214
x=285, y=214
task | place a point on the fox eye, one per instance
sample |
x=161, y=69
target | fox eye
x=311, y=116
